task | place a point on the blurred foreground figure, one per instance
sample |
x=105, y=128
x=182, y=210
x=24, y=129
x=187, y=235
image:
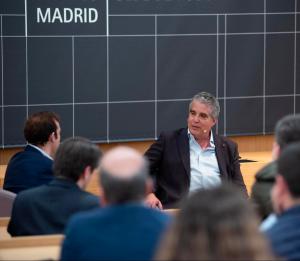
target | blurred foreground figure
x=287, y=131
x=285, y=233
x=124, y=229
x=215, y=224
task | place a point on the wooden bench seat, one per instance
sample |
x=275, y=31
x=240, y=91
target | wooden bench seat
x=31, y=248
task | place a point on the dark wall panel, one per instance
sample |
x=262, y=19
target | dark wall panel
x=131, y=68
x=280, y=64
x=90, y=77
x=186, y=65
x=14, y=71
x=50, y=70
x=276, y=108
x=130, y=73
x=87, y=115
x=132, y=121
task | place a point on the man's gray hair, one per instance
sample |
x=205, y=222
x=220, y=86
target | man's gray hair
x=208, y=99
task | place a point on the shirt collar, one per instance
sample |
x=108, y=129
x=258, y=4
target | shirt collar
x=211, y=140
x=40, y=150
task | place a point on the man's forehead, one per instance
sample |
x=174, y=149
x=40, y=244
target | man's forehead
x=200, y=107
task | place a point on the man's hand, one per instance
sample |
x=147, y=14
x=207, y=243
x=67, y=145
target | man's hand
x=153, y=202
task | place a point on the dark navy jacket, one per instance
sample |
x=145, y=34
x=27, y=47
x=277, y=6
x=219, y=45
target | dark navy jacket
x=48, y=208
x=285, y=234
x=124, y=232
x=169, y=159
x=27, y=169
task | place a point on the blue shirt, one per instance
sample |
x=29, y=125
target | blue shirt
x=205, y=172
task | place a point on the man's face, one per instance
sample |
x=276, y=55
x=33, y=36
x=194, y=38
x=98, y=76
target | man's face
x=200, y=120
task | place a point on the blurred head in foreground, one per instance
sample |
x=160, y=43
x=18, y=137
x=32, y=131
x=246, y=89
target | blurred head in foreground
x=124, y=176
x=215, y=224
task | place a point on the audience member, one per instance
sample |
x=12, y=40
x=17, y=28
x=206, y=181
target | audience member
x=285, y=233
x=33, y=166
x=215, y=224
x=192, y=158
x=47, y=209
x=125, y=229
x=287, y=131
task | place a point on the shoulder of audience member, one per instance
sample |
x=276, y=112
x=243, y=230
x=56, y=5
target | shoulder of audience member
x=83, y=218
x=267, y=173
x=91, y=198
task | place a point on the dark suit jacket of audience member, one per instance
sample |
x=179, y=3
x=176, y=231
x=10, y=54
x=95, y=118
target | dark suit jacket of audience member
x=124, y=232
x=284, y=235
x=169, y=160
x=47, y=209
x=27, y=169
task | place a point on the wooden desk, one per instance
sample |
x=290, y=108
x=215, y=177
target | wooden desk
x=3, y=228
x=2, y=174
x=31, y=248
x=249, y=169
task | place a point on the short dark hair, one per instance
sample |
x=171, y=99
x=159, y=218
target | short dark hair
x=121, y=190
x=73, y=156
x=287, y=130
x=215, y=224
x=39, y=126
x=288, y=167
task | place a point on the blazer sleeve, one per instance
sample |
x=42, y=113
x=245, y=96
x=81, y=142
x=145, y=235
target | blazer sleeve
x=155, y=154
x=236, y=175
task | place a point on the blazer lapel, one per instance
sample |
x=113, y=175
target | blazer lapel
x=184, y=150
x=220, y=152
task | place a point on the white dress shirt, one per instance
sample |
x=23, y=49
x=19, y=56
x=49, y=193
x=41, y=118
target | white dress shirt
x=205, y=172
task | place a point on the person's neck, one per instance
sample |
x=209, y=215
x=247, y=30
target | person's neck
x=287, y=203
x=203, y=140
x=47, y=149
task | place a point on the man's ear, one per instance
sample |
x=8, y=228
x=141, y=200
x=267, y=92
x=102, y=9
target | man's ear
x=87, y=172
x=282, y=187
x=51, y=137
x=275, y=150
x=215, y=121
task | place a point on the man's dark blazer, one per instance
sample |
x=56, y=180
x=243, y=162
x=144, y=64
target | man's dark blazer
x=47, y=209
x=169, y=159
x=27, y=169
x=119, y=232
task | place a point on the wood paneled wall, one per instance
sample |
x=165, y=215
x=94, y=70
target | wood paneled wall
x=246, y=144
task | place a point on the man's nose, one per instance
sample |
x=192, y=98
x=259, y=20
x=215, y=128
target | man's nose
x=196, y=118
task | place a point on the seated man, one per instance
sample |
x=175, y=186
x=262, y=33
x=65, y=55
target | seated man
x=125, y=229
x=285, y=233
x=47, y=209
x=192, y=158
x=33, y=166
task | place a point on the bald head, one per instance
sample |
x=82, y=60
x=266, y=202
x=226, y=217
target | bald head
x=123, y=163
x=124, y=175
